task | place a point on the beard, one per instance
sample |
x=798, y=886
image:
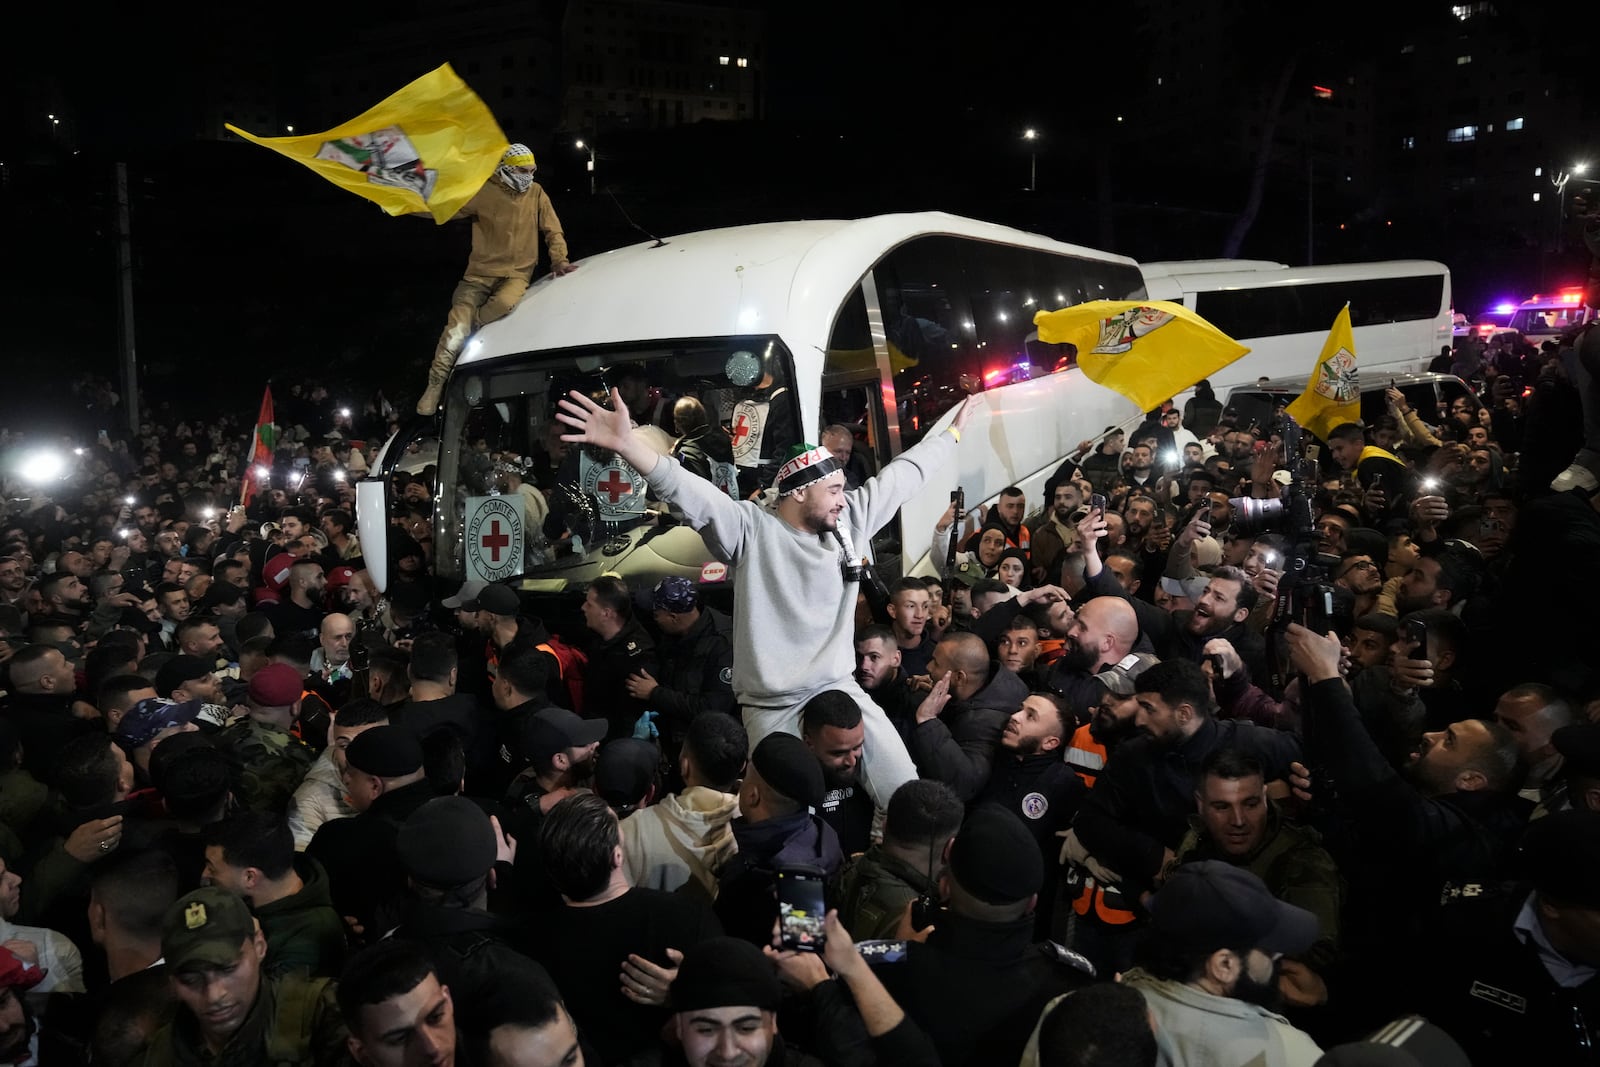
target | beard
x=1264, y=994
x=1076, y=658
x=1111, y=731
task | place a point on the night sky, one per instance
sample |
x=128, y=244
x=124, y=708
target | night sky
x=249, y=266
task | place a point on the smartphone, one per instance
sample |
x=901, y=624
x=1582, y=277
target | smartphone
x=1417, y=634
x=1215, y=659
x=801, y=910
x=1097, y=500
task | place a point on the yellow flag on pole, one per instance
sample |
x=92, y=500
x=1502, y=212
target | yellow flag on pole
x=429, y=147
x=1333, y=395
x=1147, y=351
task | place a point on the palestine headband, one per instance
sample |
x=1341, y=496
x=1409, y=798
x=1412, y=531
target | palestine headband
x=808, y=464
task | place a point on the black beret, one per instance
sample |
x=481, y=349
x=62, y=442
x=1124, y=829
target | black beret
x=1579, y=745
x=1560, y=855
x=787, y=765
x=446, y=842
x=995, y=858
x=725, y=972
x=385, y=752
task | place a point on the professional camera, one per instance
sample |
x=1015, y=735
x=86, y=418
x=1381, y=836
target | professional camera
x=1304, y=593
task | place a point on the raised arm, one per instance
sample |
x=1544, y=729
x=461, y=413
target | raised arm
x=611, y=429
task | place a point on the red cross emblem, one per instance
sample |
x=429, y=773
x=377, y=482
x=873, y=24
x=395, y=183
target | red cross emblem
x=741, y=429
x=494, y=540
x=612, y=486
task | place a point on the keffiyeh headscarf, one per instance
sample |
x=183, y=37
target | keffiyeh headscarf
x=517, y=155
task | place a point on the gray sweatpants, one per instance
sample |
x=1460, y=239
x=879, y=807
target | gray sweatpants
x=885, y=764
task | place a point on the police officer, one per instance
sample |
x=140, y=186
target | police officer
x=979, y=982
x=1513, y=971
x=695, y=657
x=1035, y=784
x=228, y=1012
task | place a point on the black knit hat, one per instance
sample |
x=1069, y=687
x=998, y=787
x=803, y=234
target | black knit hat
x=447, y=842
x=725, y=972
x=787, y=765
x=995, y=858
x=385, y=752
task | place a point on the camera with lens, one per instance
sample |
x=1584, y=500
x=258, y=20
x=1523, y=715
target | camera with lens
x=1305, y=595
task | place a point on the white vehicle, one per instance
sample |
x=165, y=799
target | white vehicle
x=778, y=330
x=1546, y=318
x=1400, y=311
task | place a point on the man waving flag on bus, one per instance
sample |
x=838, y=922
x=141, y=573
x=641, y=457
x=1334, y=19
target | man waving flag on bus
x=1147, y=351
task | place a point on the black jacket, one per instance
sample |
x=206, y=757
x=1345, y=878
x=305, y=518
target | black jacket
x=1042, y=790
x=1141, y=802
x=696, y=673
x=359, y=854
x=605, y=677
x=476, y=952
x=977, y=988
x=958, y=747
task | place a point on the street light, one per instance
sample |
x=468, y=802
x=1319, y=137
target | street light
x=589, y=149
x=1031, y=135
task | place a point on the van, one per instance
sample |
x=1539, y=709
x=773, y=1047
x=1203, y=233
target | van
x=1430, y=395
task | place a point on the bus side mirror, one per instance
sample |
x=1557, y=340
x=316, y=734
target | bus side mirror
x=372, y=514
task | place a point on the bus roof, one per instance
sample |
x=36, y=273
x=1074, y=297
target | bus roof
x=1208, y=279
x=769, y=278
x=1169, y=267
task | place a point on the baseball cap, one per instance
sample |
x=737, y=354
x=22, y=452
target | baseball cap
x=495, y=599
x=577, y=730
x=341, y=576
x=1119, y=678
x=275, y=571
x=205, y=927
x=673, y=594
x=16, y=973
x=464, y=595
x=178, y=670
x=1560, y=854
x=1209, y=904
x=147, y=718
x=968, y=573
x=1189, y=588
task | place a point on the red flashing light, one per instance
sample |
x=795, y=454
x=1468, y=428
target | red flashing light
x=1322, y=92
x=990, y=377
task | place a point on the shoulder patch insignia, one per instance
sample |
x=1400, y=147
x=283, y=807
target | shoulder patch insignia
x=725, y=676
x=882, y=951
x=1034, y=805
x=1499, y=998
x=1065, y=956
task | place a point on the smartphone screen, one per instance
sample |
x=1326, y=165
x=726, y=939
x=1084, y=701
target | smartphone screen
x=801, y=909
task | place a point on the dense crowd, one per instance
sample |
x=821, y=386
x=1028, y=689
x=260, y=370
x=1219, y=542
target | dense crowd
x=1210, y=755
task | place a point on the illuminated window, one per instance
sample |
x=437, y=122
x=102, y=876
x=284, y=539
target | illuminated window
x=1408, y=142
x=1462, y=133
x=1535, y=198
x=1462, y=61
x=743, y=62
x=722, y=61
x=1514, y=124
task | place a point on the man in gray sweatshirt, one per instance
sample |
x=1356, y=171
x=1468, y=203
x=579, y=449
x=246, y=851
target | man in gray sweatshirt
x=797, y=555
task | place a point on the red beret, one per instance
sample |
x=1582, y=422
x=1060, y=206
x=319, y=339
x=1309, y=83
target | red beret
x=277, y=685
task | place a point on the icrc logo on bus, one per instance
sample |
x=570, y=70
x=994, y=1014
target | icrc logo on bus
x=494, y=538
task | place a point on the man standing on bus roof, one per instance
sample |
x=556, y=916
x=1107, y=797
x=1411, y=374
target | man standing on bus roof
x=806, y=541
x=508, y=215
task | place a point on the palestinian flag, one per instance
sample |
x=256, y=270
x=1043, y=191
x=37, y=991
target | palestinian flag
x=266, y=439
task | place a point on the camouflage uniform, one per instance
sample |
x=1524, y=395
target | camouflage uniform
x=874, y=889
x=273, y=762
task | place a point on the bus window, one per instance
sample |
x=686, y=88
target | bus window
x=922, y=292
x=583, y=510
x=850, y=355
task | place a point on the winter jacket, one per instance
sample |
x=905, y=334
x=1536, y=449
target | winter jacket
x=303, y=931
x=506, y=227
x=958, y=747
x=1196, y=1029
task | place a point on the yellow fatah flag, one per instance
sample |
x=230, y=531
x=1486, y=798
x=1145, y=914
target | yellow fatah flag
x=429, y=147
x=1146, y=350
x=1333, y=395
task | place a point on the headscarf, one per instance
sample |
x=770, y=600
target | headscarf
x=517, y=155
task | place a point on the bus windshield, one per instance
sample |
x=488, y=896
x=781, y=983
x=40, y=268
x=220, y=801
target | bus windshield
x=517, y=500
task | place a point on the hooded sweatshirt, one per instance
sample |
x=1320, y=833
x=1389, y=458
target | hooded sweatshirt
x=687, y=835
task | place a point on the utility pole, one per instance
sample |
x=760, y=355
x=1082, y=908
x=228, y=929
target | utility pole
x=129, y=361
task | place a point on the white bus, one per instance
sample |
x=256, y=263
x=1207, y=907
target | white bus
x=778, y=329
x=1400, y=311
